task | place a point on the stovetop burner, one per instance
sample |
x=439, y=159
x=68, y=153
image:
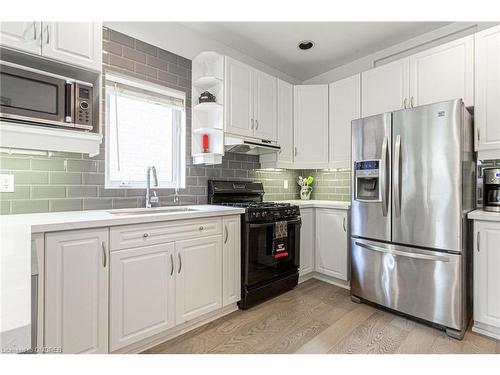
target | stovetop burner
x=255, y=204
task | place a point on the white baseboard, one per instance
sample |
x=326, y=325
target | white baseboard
x=326, y=279
x=486, y=330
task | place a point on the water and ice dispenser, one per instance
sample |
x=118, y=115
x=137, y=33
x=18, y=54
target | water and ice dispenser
x=367, y=181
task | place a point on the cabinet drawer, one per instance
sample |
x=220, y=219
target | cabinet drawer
x=128, y=236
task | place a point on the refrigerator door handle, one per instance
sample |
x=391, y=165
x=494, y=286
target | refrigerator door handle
x=403, y=253
x=384, y=176
x=397, y=176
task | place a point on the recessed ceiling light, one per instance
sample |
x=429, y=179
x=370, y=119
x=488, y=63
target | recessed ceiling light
x=306, y=44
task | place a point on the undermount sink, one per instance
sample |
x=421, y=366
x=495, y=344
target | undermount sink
x=150, y=211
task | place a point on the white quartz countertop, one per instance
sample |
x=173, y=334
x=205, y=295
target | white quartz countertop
x=15, y=253
x=312, y=203
x=481, y=214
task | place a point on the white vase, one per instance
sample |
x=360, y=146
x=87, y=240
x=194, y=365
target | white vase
x=305, y=192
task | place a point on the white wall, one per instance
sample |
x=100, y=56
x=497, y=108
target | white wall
x=187, y=43
x=439, y=36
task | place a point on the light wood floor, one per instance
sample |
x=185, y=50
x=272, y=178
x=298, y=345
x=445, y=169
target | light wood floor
x=317, y=317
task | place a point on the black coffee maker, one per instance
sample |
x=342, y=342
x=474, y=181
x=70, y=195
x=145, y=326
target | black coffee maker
x=491, y=184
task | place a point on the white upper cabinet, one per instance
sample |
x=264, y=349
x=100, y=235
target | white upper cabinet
x=310, y=126
x=332, y=253
x=76, y=290
x=443, y=73
x=198, y=283
x=23, y=36
x=76, y=43
x=385, y=88
x=265, y=106
x=251, y=102
x=345, y=106
x=487, y=91
x=142, y=293
x=239, y=98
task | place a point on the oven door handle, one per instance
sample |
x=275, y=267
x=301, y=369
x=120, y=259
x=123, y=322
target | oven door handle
x=295, y=221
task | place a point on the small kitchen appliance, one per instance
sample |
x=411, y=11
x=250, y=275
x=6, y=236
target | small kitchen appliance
x=270, y=240
x=491, y=186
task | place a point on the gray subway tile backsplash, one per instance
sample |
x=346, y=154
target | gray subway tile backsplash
x=62, y=181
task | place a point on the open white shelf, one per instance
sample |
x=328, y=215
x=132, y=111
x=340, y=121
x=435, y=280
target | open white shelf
x=33, y=137
x=208, y=117
x=207, y=82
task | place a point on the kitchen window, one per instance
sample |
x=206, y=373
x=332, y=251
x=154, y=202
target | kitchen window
x=145, y=126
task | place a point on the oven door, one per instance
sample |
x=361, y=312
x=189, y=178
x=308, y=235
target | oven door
x=34, y=97
x=262, y=263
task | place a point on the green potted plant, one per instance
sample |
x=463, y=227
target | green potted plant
x=305, y=187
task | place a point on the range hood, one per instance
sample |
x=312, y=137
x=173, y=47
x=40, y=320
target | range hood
x=241, y=145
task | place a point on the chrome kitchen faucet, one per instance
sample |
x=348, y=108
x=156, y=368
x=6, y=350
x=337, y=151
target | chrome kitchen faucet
x=151, y=201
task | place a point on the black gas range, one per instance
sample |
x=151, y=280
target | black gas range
x=270, y=235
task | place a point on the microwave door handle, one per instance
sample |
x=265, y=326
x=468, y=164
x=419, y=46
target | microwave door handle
x=295, y=221
x=69, y=104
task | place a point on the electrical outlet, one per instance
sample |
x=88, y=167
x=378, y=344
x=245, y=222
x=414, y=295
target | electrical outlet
x=6, y=183
x=285, y=184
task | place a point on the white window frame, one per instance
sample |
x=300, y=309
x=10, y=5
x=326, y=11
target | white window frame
x=178, y=157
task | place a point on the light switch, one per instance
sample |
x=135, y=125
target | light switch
x=6, y=183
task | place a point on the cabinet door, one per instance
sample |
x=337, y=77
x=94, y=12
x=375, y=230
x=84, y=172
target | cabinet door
x=486, y=273
x=311, y=126
x=239, y=98
x=285, y=123
x=443, y=73
x=385, y=88
x=487, y=80
x=231, y=260
x=198, y=284
x=142, y=293
x=345, y=106
x=76, y=290
x=331, y=243
x=23, y=36
x=307, y=241
x=265, y=106
x=75, y=43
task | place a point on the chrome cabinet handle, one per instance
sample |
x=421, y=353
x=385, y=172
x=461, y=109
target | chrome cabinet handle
x=343, y=224
x=104, y=256
x=384, y=176
x=478, y=241
x=397, y=176
x=252, y=124
x=145, y=235
x=478, y=135
x=256, y=124
x=180, y=262
x=295, y=151
x=201, y=228
x=171, y=264
x=404, y=103
x=34, y=30
x=48, y=34
x=226, y=234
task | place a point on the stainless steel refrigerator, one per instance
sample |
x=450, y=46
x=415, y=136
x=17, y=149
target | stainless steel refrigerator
x=412, y=185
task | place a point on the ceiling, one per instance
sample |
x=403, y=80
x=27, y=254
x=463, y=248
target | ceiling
x=336, y=43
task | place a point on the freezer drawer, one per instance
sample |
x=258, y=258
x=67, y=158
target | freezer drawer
x=425, y=284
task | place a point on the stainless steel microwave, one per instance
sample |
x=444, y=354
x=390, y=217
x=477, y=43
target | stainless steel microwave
x=36, y=97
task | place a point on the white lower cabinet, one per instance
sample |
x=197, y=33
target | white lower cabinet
x=142, y=293
x=307, y=241
x=231, y=260
x=198, y=282
x=76, y=290
x=332, y=243
x=487, y=278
